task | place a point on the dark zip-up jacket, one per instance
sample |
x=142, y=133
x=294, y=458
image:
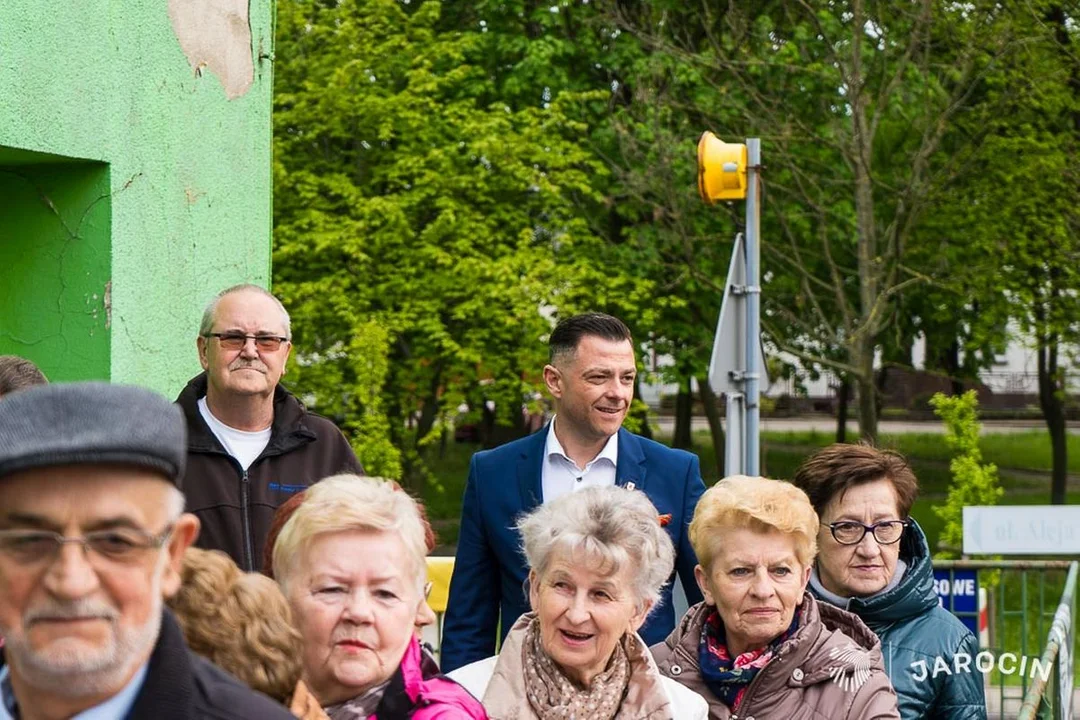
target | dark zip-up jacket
x=236, y=507
x=180, y=685
x=926, y=648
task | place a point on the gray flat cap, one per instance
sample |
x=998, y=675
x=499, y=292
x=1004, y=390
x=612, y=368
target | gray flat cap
x=91, y=422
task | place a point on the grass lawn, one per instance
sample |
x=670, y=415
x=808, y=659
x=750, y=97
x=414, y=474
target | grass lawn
x=1023, y=450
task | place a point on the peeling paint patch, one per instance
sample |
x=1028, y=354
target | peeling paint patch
x=216, y=35
x=108, y=304
x=192, y=195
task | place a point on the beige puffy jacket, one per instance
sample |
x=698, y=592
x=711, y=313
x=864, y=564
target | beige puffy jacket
x=830, y=668
x=499, y=682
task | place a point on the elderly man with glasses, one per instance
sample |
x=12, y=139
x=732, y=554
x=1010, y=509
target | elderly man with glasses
x=92, y=537
x=251, y=443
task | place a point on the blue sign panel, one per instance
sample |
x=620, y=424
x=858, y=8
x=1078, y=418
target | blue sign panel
x=958, y=592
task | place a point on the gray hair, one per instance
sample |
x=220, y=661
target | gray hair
x=175, y=504
x=18, y=373
x=613, y=524
x=211, y=308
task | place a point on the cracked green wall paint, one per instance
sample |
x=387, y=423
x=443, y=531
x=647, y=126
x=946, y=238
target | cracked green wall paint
x=56, y=262
x=188, y=173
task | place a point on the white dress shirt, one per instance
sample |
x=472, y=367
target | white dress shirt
x=561, y=475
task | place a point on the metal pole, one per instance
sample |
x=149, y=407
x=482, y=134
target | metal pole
x=753, y=306
x=735, y=437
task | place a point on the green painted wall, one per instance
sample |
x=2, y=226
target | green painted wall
x=55, y=261
x=176, y=196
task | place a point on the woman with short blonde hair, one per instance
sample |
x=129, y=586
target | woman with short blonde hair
x=351, y=561
x=760, y=645
x=345, y=503
x=598, y=559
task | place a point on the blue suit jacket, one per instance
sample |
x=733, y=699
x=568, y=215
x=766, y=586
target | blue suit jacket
x=490, y=570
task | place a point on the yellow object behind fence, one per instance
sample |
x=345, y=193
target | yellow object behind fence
x=439, y=571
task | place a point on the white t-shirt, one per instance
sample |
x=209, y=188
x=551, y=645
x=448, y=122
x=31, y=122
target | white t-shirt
x=242, y=445
x=561, y=475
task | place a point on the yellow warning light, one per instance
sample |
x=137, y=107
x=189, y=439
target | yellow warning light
x=721, y=169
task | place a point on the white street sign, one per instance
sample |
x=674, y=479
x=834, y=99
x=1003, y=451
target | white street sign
x=1022, y=530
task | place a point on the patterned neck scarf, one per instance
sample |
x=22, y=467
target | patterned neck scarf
x=554, y=697
x=729, y=678
x=360, y=707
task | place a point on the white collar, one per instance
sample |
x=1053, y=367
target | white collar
x=610, y=451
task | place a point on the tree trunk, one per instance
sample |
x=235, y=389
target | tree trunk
x=865, y=381
x=1052, y=390
x=684, y=413
x=953, y=360
x=1051, y=400
x=716, y=429
x=861, y=153
x=843, y=400
x=881, y=385
x=868, y=421
x=429, y=412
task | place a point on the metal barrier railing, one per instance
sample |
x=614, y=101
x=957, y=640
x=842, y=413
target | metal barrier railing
x=1017, y=627
x=1059, y=656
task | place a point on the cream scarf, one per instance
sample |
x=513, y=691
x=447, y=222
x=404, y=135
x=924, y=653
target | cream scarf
x=554, y=697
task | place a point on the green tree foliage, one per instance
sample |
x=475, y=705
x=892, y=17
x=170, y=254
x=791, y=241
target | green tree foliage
x=974, y=482
x=853, y=101
x=1017, y=207
x=451, y=176
x=420, y=224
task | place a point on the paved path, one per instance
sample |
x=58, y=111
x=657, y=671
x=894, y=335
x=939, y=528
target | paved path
x=666, y=425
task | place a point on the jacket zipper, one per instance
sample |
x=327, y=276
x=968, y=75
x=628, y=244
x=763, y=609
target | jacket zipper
x=245, y=513
x=746, y=697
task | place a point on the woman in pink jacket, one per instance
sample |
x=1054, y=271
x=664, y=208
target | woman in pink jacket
x=351, y=562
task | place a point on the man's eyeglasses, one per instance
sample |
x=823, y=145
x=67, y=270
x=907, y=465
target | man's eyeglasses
x=236, y=341
x=886, y=532
x=120, y=546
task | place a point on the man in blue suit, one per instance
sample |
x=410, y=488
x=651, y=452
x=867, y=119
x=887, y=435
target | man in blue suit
x=591, y=377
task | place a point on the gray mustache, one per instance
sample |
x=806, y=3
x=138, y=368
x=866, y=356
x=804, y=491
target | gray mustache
x=78, y=610
x=245, y=365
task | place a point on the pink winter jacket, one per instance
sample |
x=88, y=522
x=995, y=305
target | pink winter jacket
x=419, y=692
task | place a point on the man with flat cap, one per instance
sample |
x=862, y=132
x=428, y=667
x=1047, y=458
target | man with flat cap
x=92, y=537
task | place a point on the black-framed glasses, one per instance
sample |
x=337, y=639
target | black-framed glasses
x=886, y=532
x=236, y=341
x=122, y=545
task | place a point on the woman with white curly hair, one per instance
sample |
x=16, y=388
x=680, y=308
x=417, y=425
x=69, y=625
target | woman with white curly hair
x=598, y=559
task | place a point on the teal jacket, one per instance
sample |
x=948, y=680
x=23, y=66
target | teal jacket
x=915, y=631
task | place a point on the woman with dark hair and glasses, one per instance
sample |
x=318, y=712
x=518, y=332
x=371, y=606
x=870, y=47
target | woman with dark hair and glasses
x=873, y=560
